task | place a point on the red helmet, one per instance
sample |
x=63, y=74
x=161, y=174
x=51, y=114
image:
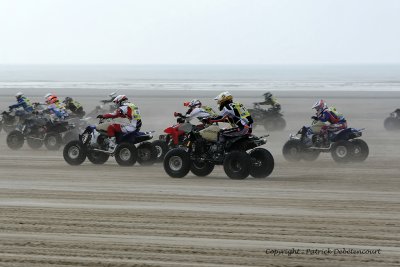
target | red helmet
x=51, y=99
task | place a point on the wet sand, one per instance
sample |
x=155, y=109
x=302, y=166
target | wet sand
x=53, y=214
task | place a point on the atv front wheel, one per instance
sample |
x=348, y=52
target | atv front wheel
x=292, y=150
x=361, y=150
x=262, y=163
x=74, y=153
x=177, y=163
x=391, y=124
x=342, y=151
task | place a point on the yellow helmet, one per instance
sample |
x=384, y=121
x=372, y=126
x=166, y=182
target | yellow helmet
x=223, y=97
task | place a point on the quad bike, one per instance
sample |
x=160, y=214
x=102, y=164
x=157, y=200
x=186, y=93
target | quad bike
x=93, y=144
x=173, y=138
x=344, y=145
x=272, y=119
x=10, y=120
x=37, y=131
x=106, y=106
x=392, y=122
x=240, y=156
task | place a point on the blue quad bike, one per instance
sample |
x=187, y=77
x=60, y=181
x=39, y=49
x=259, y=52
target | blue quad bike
x=344, y=145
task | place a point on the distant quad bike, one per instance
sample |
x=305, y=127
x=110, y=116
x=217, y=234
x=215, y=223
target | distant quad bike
x=392, y=122
x=38, y=131
x=106, y=106
x=93, y=145
x=272, y=119
x=240, y=156
x=344, y=145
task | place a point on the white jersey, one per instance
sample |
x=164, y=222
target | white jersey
x=198, y=113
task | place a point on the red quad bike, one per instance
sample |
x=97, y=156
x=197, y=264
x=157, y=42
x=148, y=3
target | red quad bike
x=174, y=137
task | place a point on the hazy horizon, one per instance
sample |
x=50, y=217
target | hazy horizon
x=272, y=32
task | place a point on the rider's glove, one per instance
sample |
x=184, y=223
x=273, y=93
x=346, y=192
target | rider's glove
x=206, y=121
x=177, y=114
x=10, y=108
x=314, y=118
x=100, y=117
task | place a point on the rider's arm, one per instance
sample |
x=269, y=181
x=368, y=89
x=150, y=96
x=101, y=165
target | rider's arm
x=17, y=105
x=116, y=114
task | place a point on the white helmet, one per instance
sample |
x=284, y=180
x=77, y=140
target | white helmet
x=320, y=105
x=193, y=103
x=47, y=95
x=222, y=97
x=19, y=94
x=119, y=99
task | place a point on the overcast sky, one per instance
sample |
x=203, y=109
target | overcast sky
x=199, y=31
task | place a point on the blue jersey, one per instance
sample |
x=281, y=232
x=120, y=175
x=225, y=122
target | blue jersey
x=329, y=116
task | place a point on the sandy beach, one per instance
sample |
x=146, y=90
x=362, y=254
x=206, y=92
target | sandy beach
x=53, y=214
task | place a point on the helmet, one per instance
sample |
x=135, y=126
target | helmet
x=193, y=103
x=223, y=97
x=52, y=99
x=19, y=95
x=267, y=95
x=119, y=99
x=67, y=100
x=320, y=105
x=47, y=96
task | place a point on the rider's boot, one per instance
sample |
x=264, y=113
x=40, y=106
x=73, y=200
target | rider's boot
x=111, y=144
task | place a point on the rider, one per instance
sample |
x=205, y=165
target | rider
x=270, y=100
x=127, y=119
x=235, y=113
x=23, y=102
x=55, y=107
x=324, y=114
x=74, y=106
x=196, y=110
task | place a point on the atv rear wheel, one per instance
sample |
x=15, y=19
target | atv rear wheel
x=74, y=153
x=292, y=150
x=177, y=163
x=162, y=149
x=15, y=140
x=342, y=151
x=237, y=165
x=147, y=153
x=52, y=141
x=97, y=157
x=361, y=150
x=262, y=163
x=34, y=142
x=126, y=154
x=201, y=168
